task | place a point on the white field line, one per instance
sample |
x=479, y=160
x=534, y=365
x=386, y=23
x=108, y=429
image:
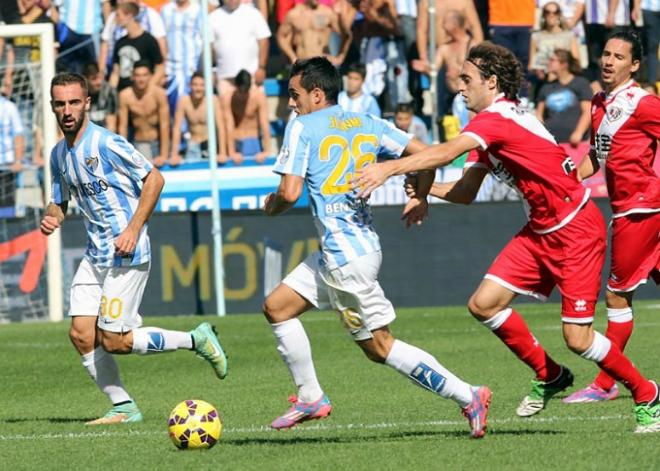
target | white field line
x=316, y=427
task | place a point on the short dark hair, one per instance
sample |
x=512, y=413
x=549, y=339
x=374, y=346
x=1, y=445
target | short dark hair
x=492, y=59
x=318, y=72
x=404, y=108
x=357, y=68
x=68, y=78
x=90, y=69
x=197, y=74
x=633, y=38
x=144, y=63
x=130, y=8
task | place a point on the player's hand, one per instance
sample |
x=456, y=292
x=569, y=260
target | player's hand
x=415, y=211
x=160, y=161
x=369, y=178
x=575, y=139
x=268, y=203
x=49, y=224
x=126, y=242
x=410, y=186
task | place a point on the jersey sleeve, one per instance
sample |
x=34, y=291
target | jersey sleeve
x=156, y=24
x=125, y=158
x=648, y=115
x=393, y=141
x=487, y=129
x=59, y=192
x=293, y=158
x=261, y=29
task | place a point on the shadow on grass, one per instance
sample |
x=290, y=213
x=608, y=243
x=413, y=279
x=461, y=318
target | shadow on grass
x=394, y=436
x=52, y=420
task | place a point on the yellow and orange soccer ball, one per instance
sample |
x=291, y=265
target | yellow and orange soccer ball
x=194, y=424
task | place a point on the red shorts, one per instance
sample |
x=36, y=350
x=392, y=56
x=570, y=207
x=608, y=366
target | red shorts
x=635, y=251
x=571, y=257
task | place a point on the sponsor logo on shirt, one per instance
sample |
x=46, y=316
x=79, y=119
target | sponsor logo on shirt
x=614, y=113
x=284, y=155
x=92, y=162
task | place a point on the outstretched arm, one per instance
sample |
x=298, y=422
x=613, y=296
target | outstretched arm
x=430, y=158
x=588, y=166
x=464, y=190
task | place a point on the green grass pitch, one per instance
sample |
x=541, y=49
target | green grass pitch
x=380, y=421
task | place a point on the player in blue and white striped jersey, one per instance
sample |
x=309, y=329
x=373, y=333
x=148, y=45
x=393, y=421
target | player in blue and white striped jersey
x=182, y=20
x=324, y=147
x=117, y=189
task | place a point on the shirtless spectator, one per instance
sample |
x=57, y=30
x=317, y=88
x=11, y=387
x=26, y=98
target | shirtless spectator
x=306, y=30
x=103, y=109
x=192, y=108
x=145, y=107
x=451, y=56
x=246, y=112
x=137, y=45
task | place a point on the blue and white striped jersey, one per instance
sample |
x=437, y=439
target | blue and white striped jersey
x=327, y=147
x=184, y=40
x=650, y=5
x=365, y=103
x=104, y=173
x=81, y=16
x=406, y=7
x=10, y=127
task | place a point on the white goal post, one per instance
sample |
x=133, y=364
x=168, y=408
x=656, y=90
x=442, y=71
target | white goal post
x=45, y=32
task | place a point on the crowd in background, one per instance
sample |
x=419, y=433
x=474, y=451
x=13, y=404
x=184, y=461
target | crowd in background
x=142, y=62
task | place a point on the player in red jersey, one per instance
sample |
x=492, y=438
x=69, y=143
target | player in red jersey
x=563, y=243
x=625, y=128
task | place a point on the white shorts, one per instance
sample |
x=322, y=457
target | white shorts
x=352, y=290
x=113, y=294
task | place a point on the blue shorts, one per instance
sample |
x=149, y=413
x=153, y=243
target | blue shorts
x=250, y=146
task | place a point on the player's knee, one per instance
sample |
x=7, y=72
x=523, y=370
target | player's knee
x=617, y=300
x=480, y=308
x=82, y=340
x=374, y=353
x=272, y=312
x=578, y=341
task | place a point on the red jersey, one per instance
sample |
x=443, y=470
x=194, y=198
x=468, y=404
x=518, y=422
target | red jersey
x=518, y=150
x=625, y=128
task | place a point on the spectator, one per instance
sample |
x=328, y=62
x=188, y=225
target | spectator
x=599, y=22
x=145, y=107
x=12, y=147
x=240, y=41
x=406, y=11
x=405, y=119
x=79, y=22
x=184, y=45
x=510, y=23
x=306, y=31
x=147, y=17
x=261, y=5
x=137, y=45
x=354, y=98
x=651, y=16
x=466, y=10
x=192, y=109
x=564, y=104
x=450, y=57
x=553, y=34
x=572, y=12
x=246, y=112
x=103, y=108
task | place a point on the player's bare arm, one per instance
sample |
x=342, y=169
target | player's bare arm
x=463, y=190
x=152, y=185
x=54, y=217
x=432, y=157
x=286, y=195
x=588, y=166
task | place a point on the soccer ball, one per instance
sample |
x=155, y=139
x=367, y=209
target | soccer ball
x=194, y=424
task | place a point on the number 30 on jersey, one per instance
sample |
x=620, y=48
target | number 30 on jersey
x=352, y=159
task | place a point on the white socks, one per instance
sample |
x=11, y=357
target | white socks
x=619, y=316
x=101, y=366
x=426, y=372
x=599, y=348
x=293, y=346
x=154, y=340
